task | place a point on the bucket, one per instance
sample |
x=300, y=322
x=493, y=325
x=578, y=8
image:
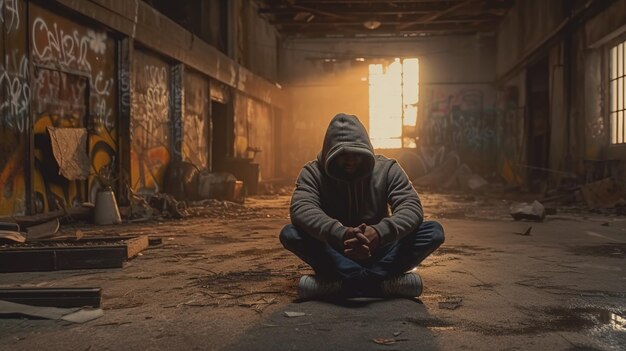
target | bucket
x=107, y=211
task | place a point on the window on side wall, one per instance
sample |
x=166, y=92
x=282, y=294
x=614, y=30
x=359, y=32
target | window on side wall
x=617, y=100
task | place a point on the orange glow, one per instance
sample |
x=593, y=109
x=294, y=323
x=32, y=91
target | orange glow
x=393, y=95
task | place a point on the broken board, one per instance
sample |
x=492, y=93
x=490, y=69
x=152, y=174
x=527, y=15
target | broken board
x=49, y=255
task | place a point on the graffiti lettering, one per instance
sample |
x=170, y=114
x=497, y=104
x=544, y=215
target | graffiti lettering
x=14, y=85
x=150, y=128
x=178, y=115
x=12, y=20
x=68, y=50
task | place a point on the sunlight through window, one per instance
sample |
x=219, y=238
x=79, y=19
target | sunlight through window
x=393, y=97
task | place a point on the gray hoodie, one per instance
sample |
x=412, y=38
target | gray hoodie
x=326, y=202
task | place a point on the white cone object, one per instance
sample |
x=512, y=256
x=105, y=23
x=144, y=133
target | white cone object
x=107, y=211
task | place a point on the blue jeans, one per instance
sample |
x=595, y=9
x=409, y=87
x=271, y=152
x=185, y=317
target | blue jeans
x=390, y=260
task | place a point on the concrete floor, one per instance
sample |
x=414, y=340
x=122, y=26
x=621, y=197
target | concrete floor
x=221, y=280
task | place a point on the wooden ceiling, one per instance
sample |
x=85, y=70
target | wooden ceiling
x=385, y=18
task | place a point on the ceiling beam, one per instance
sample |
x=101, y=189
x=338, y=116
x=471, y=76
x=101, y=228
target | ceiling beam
x=367, y=1
x=395, y=23
x=290, y=11
x=434, y=16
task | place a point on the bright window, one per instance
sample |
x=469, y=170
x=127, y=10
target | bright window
x=393, y=97
x=617, y=83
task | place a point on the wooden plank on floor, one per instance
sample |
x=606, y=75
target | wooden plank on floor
x=53, y=297
x=61, y=258
x=136, y=245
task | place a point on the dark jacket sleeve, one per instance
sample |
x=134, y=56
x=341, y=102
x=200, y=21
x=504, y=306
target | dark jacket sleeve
x=307, y=213
x=407, y=214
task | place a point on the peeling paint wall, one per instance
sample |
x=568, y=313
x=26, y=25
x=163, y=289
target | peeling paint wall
x=137, y=82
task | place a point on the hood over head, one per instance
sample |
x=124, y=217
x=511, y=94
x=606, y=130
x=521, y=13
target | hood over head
x=346, y=134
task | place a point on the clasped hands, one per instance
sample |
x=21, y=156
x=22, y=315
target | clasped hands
x=360, y=242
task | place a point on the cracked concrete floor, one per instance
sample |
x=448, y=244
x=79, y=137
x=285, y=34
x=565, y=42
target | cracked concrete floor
x=221, y=280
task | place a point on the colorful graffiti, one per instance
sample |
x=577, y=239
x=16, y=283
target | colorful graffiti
x=150, y=123
x=461, y=120
x=196, y=131
x=73, y=87
x=15, y=94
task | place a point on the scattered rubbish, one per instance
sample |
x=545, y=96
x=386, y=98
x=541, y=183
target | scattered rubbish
x=290, y=314
x=79, y=234
x=69, y=147
x=220, y=186
x=43, y=230
x=74, y=315
x=168, y=205
x=397, y=333
x=475, y=182
x=605, y=193
x=224, y=209
x=525, y=232
x=260, y=304
x=181, y=180
x=532, y=212
x=53, y=297
x=385, y=341
x=11, y=236
x=451, y=303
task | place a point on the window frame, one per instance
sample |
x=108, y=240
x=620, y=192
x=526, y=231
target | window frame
x=606, y=70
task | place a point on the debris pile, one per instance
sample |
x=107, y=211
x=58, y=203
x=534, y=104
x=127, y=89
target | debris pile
x=223, y=209
x=451, y=173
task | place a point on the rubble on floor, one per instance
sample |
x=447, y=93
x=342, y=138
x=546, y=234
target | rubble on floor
x=534, y=211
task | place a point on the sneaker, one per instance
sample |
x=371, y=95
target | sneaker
x=311, y=287
x=407, y=285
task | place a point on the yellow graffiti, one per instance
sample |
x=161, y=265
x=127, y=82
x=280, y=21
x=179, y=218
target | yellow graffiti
x=147, y=171
x=12, y=177
x=40, y=185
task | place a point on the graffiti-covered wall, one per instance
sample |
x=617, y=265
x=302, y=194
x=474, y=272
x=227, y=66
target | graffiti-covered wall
x=462, y=119
x=254, y=134
x=150, y=123
x=15, y=94
x=196, y=127
x=74, y=86
x=69, y=70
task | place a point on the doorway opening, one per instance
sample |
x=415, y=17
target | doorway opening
x=538, y=123
x=219, y=138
